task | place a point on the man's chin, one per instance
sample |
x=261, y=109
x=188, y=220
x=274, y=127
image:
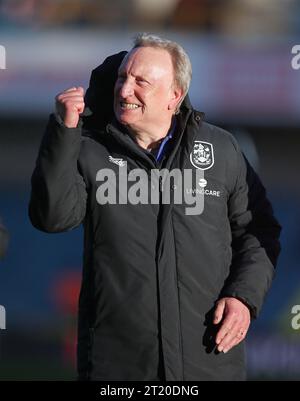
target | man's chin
x=123, y=120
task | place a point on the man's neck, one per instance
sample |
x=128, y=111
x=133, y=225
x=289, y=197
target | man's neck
x=150, y=140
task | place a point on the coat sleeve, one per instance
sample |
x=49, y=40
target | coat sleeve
x=255, y=238
x=58, y=192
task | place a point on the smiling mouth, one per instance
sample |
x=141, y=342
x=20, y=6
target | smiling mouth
x=129, y=106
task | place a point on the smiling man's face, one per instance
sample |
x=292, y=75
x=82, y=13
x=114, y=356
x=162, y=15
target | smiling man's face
x=145, y=97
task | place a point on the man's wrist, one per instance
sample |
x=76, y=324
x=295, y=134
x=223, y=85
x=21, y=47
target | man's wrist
x=60, y=121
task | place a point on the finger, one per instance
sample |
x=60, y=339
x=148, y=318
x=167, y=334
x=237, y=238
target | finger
x=226, y=326
x=236, y=335
x=239, y=337
x=81, y=108
x=229, y=338
x=218, y=315
x=71, y=107
x=72, y=98
x=70, y=89
x=229, y=346
x=70, y=94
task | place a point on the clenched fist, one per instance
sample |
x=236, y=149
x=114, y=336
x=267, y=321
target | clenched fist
x=69, y=105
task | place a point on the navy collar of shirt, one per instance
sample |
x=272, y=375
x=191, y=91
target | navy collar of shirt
x=162, y=147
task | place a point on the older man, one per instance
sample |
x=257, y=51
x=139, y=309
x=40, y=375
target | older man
x=166, y=295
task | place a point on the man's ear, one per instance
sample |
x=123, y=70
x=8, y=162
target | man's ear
x=175, y=98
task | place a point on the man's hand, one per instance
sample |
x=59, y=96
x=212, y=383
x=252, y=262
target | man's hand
x=235, y=317
x=69, y=105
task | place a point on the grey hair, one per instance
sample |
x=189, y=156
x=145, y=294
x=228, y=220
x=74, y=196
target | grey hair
x=181, y=62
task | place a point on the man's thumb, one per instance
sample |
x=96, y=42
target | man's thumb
x=219, y=311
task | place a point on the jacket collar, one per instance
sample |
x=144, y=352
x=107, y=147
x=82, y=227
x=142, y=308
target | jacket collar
x=120, y=134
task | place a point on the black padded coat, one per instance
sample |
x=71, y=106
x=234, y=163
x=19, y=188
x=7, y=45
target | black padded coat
x=151, y=272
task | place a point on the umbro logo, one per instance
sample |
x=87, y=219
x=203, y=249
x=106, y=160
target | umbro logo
x=119, y=162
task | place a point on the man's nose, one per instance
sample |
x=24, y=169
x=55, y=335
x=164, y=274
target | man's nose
x=126, y=89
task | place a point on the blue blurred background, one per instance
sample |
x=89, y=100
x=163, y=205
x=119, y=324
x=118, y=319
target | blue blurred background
x=242, y=79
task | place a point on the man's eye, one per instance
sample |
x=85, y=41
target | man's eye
x=141, y=82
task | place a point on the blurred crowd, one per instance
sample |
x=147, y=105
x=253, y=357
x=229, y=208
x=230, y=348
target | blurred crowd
x=213, y=16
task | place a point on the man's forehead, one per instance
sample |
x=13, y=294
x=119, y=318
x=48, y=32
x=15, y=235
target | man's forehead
x=140, y=54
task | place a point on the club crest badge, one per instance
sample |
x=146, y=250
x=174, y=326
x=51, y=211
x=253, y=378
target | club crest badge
x=202, y=155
